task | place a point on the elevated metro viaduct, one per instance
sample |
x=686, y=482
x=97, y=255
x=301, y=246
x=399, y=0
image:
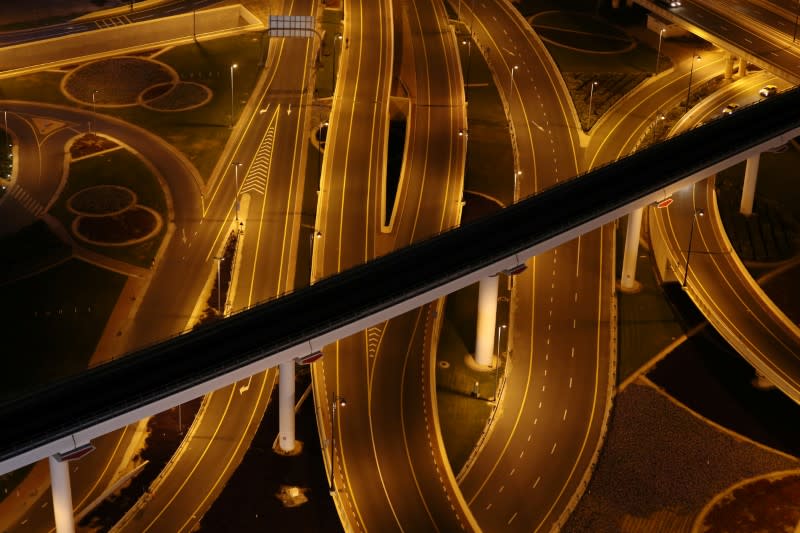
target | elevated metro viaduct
x=57, y=420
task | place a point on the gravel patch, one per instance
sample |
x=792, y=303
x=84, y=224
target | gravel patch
x=661, y=465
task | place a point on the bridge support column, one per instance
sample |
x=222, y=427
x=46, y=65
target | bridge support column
x=760, y=381
x=628, y=280
x=729, y=66
x=286, y=407
x=487, y=318
x=62, y=496
x=742, y=67
x=749, y=186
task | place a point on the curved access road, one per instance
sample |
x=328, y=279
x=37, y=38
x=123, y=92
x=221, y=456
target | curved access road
x=540, y=448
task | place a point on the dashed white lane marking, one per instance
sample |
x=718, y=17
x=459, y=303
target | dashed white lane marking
x=537, y=481
x=512, y=471
x=554, y=448
x=565, y=415
x=512, y=518
x=576, y=296
x=572, y=353
x=570, y=383
x=501, y=488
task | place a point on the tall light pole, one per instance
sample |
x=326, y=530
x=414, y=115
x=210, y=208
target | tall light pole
x=468, y=42
x=94, y=109
x=658, y=54
x=591, y=95
x=511, y=84
x=497, y=366
x=334, y=68
x=5, y=123
x=691, y=71
x=316, y=234
x=219, y=282
x=341, y=402
x=697, y=213
x=236, y=166
x=659, y=116
x=796, y=15
x=233, y=67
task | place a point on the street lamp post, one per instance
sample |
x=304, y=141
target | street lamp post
x=697, y=213
x=796, y=15
x=334, y=69
x=691, y=71
x=659, y=116
x=511, y=85
x=219, y=282
x=658, y=54
x=94, y=109
x=341, y=402
x=315, y=234
x=468, y=42
x=497, y=365
x=591, y=96
x=233, y=67
x=236, y=166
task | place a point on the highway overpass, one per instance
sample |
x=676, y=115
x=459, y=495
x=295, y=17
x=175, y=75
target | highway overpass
x=76, y=410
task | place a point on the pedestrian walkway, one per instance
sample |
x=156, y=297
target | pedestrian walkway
x=25, y=200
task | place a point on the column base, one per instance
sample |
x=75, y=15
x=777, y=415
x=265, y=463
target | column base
x=297, y=450
x=637, y=287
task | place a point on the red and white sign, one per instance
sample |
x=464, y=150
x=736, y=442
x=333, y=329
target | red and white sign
x=664, y=203
x=77, y=453
x=307, y=360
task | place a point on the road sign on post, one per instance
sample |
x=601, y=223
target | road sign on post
x=291, y=26
x=307, y=360
x=76, y=453
x=664, y=203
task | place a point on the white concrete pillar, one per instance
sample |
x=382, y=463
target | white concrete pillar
x=487, y=318
x=749, y=186
x=286, y=406
x=761, y=382
x=729, y=66
x=628, y=280
x=742, y=67
x=62, y=496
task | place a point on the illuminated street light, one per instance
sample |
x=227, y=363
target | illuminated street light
x=467, y=42
x=497, y=365
x=341, y=402
x=313, y=236
x=659, y=116
x=697, y=213
x=233, y=67
x=658, y=54
x=236, y=166
x=334, y=69
x=94, y=109
x=511, y=85
x=219, y=282
x=691, y=71
x=591, y=95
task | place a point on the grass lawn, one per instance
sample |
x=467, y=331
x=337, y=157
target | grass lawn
x=772, y=233
x=199, y=133
x=54, y=324
x=118, y=167
x=30, y=250
x=490, y=160
x=647, y=323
